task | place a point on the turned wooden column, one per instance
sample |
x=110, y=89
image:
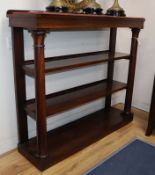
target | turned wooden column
x=19, y=81
x=112, y=46
x=131, y=74
x=38, y=37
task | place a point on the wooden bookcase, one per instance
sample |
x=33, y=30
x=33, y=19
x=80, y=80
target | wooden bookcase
x=51, y=147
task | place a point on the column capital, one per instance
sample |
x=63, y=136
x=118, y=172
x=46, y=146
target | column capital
x=135, y=32
x=38, y=37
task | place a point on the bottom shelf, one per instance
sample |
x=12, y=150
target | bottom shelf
x=68, y=139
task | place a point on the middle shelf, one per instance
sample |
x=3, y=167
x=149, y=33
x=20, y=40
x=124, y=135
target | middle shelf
x=69, y=62
x=74, y=97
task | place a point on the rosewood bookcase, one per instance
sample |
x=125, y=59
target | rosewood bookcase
x=48, y=148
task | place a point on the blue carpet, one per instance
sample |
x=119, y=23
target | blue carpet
x=137, y=158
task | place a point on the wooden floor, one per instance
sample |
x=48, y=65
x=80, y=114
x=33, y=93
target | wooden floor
x=14, y=164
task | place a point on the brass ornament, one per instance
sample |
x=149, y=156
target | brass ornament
x=116, y=10
x=74, y=6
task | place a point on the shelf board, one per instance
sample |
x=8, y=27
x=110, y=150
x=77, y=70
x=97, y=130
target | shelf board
x=74, y=97
x=68, y=139
x=64, y=63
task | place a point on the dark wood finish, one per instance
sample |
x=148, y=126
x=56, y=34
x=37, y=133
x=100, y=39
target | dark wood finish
x=48, y=149
x=131, y=74
x=64, y=63
x=69, y=21
x=151, y=121
x=69, y=139
x=40, y=104
x=68, y=99
x=19, y=80
x=112, y=46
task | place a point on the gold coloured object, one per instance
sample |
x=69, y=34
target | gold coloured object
x=58, y=6
x=75, y=6
x=116, y=10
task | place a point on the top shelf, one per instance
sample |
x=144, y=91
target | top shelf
x=33, y=20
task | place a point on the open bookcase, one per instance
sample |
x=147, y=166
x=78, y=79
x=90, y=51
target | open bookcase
x=48, y=148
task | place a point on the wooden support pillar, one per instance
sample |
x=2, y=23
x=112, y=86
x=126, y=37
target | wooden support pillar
x=38, y=37
x=19, y=80
x=131, y=74
x=112, y=46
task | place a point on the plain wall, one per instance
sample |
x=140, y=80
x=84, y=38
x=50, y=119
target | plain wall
x=58, y=43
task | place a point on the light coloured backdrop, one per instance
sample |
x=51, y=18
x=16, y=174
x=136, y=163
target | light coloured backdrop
x=58, y=43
